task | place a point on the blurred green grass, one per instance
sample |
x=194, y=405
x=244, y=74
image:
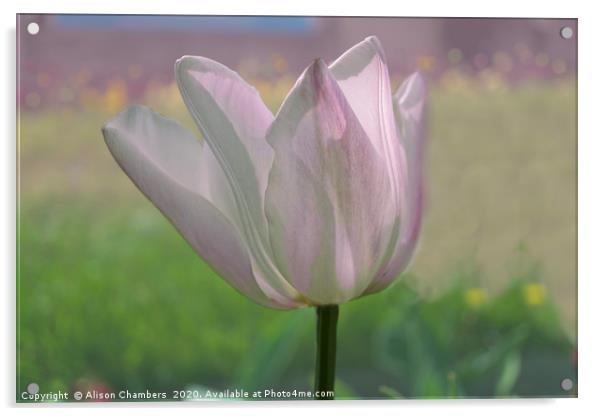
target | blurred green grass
x=109, y=292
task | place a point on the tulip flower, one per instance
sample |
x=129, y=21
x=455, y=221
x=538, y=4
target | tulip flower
x=314, y=206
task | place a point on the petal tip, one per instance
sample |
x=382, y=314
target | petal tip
x=125, y=119
x=412, y=90
x=183, y=63
x=187, y=60
x=112, y=123
x=187, y=63
x=318, y=64
x=418, y=78
x=355, y=59
x=187, y=66
x=318, y=74
x=375, y=42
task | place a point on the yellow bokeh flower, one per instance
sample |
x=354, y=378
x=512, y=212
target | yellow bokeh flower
x=116, y=95
x=474, y=297
x=426, y=63
x=534, y=293
x=279, y=63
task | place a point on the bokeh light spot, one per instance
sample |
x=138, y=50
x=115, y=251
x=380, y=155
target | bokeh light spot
x=474, y=297
x=280, y=63
x=426, y=63
x=116, y=96
x=454, y=56
x=534, y=294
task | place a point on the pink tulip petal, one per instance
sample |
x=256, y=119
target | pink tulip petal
x=329, y=199
x=363, y=77
x=410, y=99
x=165, y=162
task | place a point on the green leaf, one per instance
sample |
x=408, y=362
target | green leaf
x=510, y=372
x=390, y=392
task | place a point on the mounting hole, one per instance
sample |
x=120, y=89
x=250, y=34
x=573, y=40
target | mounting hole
x=33, y=388
x=566, y=32
x=566, y=384
x=33, y=28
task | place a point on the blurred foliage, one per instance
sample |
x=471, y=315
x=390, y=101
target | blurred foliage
x=122, y=300
x=446, y=347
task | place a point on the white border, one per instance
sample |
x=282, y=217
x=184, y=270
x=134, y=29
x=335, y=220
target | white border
x=510, y=8
x=590, y=178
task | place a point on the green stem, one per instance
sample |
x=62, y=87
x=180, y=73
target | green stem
x=326, y=349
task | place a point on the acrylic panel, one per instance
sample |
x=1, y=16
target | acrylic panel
x=295, y=208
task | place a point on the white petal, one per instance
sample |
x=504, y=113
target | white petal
x=233, y=120
x=165, y=162
x=328, y=200
x=410, y=100
x=229, y=112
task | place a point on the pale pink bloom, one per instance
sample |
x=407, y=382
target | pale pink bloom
x=317, y=205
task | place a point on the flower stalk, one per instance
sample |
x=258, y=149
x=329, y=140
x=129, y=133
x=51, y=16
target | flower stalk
x=326, y=350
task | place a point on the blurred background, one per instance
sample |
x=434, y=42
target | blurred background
x=110, y=297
